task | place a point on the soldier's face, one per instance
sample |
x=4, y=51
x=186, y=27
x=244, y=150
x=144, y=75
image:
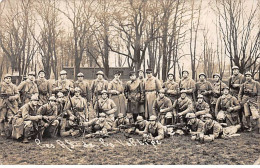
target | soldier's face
x=102, y=119
x=63, y=76
x=77, y=94
x=170, y=77
x=192, y=120
x=7, y=80
x=116, y=76
x=208, y=121
x=161, y=95
x=31, y=77
x=183, y=95
x=202, y=77
x=52, y=102
x=104, y=95
x=100, y=76
x=80, y=78
x=235, y=71
x=41, y=74
x=149, y=74
x=248, y=77
x=34, y=102
x=133, y=77
x=226, y=91
x=185, y=74
x=216, y=78
x=153, y=122
x=141, y=73
x=200, y=100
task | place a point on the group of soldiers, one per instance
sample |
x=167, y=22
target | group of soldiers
x=37, y=108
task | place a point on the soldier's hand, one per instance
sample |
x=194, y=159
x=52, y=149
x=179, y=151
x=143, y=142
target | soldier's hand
x=46, y=125
x=45, y=117
x=60, y=88
x=72, y=118
x=39, y=117
x=230, y=109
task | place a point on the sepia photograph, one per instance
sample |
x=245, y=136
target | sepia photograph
x=129, y=82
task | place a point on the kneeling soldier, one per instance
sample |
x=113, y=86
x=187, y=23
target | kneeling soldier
x=195, y=126
x=153, y=130
x=201, y=107
x=49, y=117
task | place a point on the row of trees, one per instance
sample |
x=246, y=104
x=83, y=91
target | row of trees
x=140, y=33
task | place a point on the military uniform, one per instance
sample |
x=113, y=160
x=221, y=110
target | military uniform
x=161, y=106
x=171, y=90
x=43, y=89
x=223, y=109
x=119, y=99
x=96, y=124
x=27, y=89
x=201, y=109
x=106, y=106
x=152, y=86
x=155, y=131
x=96, y=87
x=8, y=106
x=204, y=88
x=235, y=79
x=142, y=100
x=212, y=131
x=85, y=89
x=188, y=85
x=249, y=96
x=197, y=126
x=63, y=86
x=134, y=94
x=140, y=126
x=182, y=107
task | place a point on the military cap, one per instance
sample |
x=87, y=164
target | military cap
x=41, y=71
x=31, y=73
x=52, y=98
x=225, y=88
x=117, y=72
x=203, y=74
x=120, y=115
x=161, y=91
x=207, y=116
x=140, y=70
x=235, y=67
x=248, y=73
x=100, y=73
x=80, y=74
x=34, y=97
x=131, y=73
x=216, y=74
x=7, y=75
x=200, y=96
x=103, y=91
x=102, y=115
x=149, y=70
x=63, y=72
x=139, y=118
x=77, y=89
x=60, y=94
x=153, y=118
x=185, y=71
x=190, y=115
x=170, y=73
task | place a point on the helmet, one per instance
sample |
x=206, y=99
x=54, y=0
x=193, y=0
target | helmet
x=149, y=70
x=153, y=118
x=31, y=73
x=77, y=89
x=80, y=74
x=203, y=74
x=235, y=67
x=139, y=118
x=140, y=70
x=183, y=91
x=60, y=94
x=52, y=98
x=100, y=73
x=34, y=97
x=161, y=91
x=63, y=72
x=200, y=96
x=120, y=115
x=129, y=115
x=117, y=72
x=103, y=91
x=131, y=73
x=248, y=73
x=216, y=74
x=7, y=75
x=208, y=116
x=170, y=73
x=184, y=71
x=102, y=115
x=168, y=115
x=190, y=115
x=225, y=88
x=41, y=71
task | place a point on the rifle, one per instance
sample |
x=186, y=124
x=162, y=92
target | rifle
x=5, y=96
x=177, y=126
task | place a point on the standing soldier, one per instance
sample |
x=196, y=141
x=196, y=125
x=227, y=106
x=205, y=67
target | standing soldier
x=43, y=87
x=162, y=106
x=151, y=86
x=204, y=87
x=171, y=88
x=32, y=120
x=142, y=100
x=217, y=88
x=201, y=107
x=76, y=107
x=63, y=85
x=249, y=96
x=106, y=105
x=49, y=117
x=97, y=86
x=28, y=88
x=181, y=107
x=227, y=107
x=85, y=89
x=187, y=85
x=235, y=81
x=8, y=104
x=134, y=94
x=116, y=91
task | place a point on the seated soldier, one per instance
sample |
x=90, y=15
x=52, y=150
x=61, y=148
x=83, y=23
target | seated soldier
x=49, y=117
x=154, y=130
x=195, y=126
x=161, y=106
x=98, y=126
x=201, y=107
x=181, y=107
x=227, y=107
x=106, y=106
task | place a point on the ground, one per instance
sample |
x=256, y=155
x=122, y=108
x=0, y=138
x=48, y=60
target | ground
x=117, y=149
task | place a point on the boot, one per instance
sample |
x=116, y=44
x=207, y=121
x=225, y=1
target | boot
x=2, y=131
x=25, y=140
x=26, y=135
